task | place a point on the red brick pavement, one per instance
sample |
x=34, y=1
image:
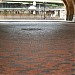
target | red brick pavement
x=23, y=54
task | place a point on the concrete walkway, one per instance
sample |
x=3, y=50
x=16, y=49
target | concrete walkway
x=23, y=20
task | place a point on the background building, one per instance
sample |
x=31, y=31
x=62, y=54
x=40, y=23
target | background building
x=30, y=9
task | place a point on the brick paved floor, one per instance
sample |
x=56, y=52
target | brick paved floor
x=40, y=48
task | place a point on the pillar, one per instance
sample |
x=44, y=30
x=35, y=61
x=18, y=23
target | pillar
x=70, y=9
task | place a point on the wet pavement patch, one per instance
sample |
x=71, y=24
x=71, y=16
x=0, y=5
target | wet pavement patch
x=31, y=29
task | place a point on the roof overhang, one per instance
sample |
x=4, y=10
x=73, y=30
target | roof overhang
x=52, y=1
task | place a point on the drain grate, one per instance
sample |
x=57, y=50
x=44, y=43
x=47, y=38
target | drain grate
x=30, y=29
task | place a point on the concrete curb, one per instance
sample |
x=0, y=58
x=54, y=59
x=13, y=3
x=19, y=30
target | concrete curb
x=36, y=21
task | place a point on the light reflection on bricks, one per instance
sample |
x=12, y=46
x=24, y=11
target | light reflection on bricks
x=47, y=51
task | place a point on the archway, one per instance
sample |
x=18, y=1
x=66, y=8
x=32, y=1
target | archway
x=70, y=9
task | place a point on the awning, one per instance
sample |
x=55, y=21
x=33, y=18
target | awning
x=32, y=8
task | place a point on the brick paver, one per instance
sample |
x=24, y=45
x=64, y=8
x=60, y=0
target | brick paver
x=40, y=48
